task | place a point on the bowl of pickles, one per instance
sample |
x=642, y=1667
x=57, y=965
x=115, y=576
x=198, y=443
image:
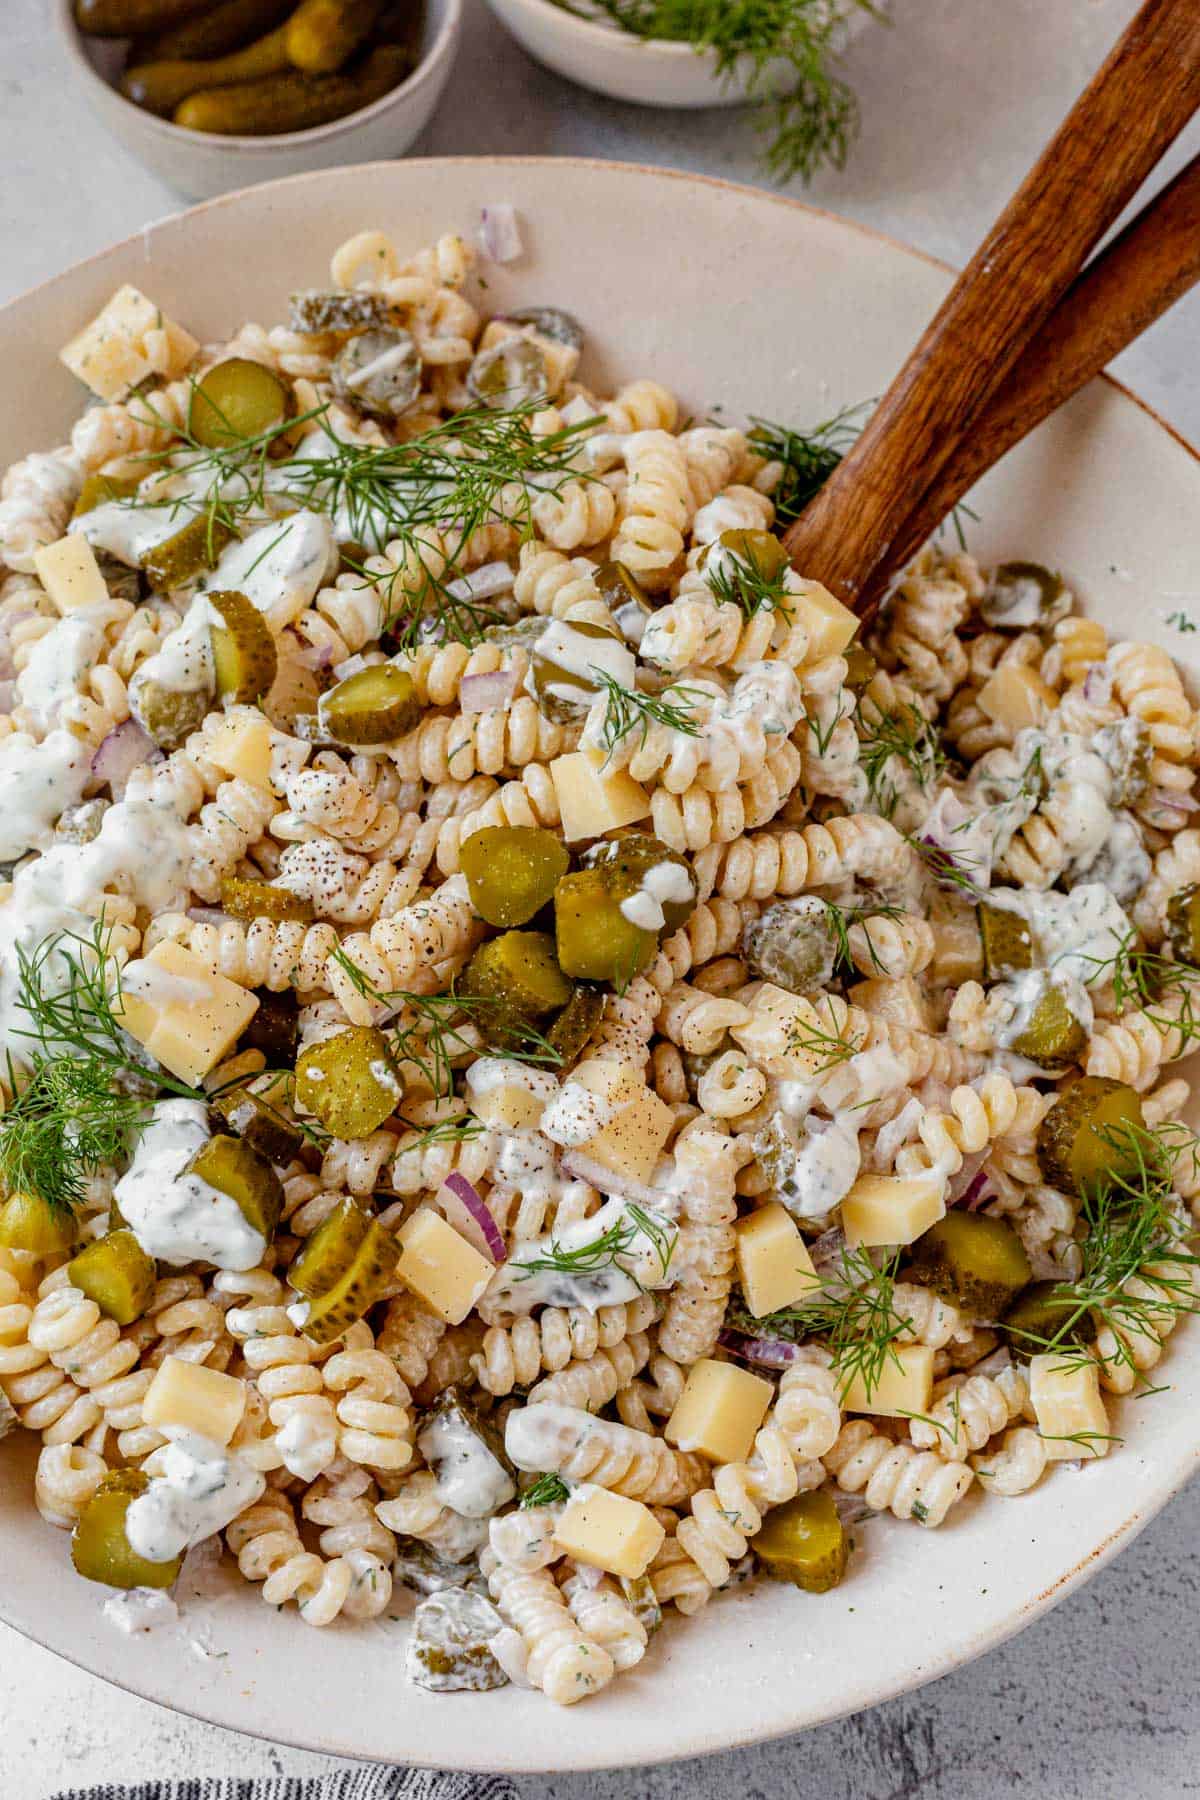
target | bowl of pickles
x=220, y=94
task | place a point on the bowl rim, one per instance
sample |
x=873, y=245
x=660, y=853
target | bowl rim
x=1181, y=1470
x=70, y=38
x=596, y=32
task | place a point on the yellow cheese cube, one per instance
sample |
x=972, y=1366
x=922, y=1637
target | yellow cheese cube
x=719, y=1411
x=109, y=355
x=509, y=1108
x=195, y=1398
x=186, y=1015
x=70, y=574
x=241, y=746
x=169, y=348
x=903, y=1386
x=591, y=801
x=1016, y=697
x=787, y=1036
x=1069, y=1407
x=632, y=1143
x=441, y=1267
x=607, y=1531
x=892, y=1209
x=898, y=998
x=773, y=1261
x=830, y=624
x=610, y=1079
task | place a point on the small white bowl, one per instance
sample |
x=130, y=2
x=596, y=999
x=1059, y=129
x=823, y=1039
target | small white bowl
x=648, y=71
x=201, y=164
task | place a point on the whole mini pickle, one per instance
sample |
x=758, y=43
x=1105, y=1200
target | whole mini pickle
x=245, y=899
x=244, y=655
x=131, y=18
x=99, y=489
x=571, y=1031
x=1090, y=1135
x=294, y=102
x=512, y=871
x=159, y=87
x=378, y=371
x=596, y=941
x=518, y=970
x=187, y=553
x=275, y=1027
x=349, y=1081
x=166, y=714
x=792, y=944
x=236, y=400
x=977, y=1262
x=627, y=861
x=323, y=34
x=100, y=1549
x=229, y=1164
x=448, y=1646
x=117, y=1274
x=342, y=1270
x=1046, y=1314
x=1054, y=1038
x=804, y=1542
x=551, y=322
x=27, y=1222
x=509, y=374
x=1023, y=594
x=1006, y=939
x=229, y=25
x=1183, y=925
x=375, y=705
x=263, y=1127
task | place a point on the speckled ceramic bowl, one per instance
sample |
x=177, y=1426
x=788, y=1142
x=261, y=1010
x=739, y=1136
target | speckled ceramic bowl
x=760, y=305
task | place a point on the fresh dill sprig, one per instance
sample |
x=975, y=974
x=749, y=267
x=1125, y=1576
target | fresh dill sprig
x=1144, y=981
x=808, y=457
x=907, y=737
x=947, y=871
x=628, y=710
x=604, y=1252
x=547, y=1490
x=824, y=1044
x=855, y=1315
x=459, y=1130
x=822, y=731
x=739, y=581
x=67, y=1124
x=815, y=120
x=839, y=920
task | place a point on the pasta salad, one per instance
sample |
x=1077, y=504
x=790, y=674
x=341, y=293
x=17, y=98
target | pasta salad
x=543, y=1067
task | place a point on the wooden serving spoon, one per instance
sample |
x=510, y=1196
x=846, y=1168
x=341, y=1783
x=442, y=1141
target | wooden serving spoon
x=853, y=532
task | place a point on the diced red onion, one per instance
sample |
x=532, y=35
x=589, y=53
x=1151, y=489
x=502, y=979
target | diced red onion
x=851, y=1509
x=482, y=583
x=979, y=1190
x=965, y=1183
x=1097, y=685
x=486, y=693
x=125, y=749
x=1168, y=800
x=828, y=1248
x=768, y=1353
x=461, y=1188
x=317, y=657
x=582, y=1168
x=499, y=233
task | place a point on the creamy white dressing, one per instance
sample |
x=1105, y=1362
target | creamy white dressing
x=140, y=1610
x=667, y=883
x=59, y=661
x=636, y=1260
x=826, y=1167
x=577, y=655
x=183, y=662
x=129, y=532
x=1016, y=1002
x=306, y=1442
x=178, y=1217
x=1076, y=934
x=576, y=1115
x=149, y=981
x=38, y=782
x=280, y=566
x=196, y=1489
x=470, y=1479
x=488, y=1073
x=539, y=1439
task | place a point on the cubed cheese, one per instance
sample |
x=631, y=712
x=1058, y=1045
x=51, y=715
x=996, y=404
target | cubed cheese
x=195, y=1398
x=830, y=624
x=110, y=355
x=241, y=746
x=892, y=1209
x=509, y=1108
x=70, y=574
x=592, y=801
x=441, y=1267
x=786, y=1035
x=719, y=1411
x=169, y=348
x=632, y=1143
x=186, y=1015
x=898, y=998
x=773, y=1261
x=901, y=1388
x=1016, y=697
x=1069, y=1407
x=610, y=1079
x=607, y=1531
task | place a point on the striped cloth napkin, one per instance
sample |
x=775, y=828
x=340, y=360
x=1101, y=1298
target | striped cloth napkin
x=355, y=1784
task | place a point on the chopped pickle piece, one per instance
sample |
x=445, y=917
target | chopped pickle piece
x=1046, y=1314
x=81, y=824
x=245, y=899
x=1007, y=941
x=512, y=871
x=861, y=668
x=236, y=400
x=509, y=374
x=165, y=714
x=339, y=310
x=100, y=1550
x=342, y=1270
x=571, y=1031
x=466, y=1456
x=1126, y=749
x=27, y=1222
x=804, y=1542
x=792, y=945
x=244, y=654
x=117, y=1274
x=426, y=1571
x=328, y=1253
x=266, y=1131
x=642, y=1601
x=230, y=1164
x=596, y=942
x=378, y=371
x=564, y=694
x=1183, y=925
x=977, y=1262
x=560, y=327
x=349, y=1081
x=619, y=587
x=510, y=634
x=520, y=970
x=448, y=1647
x=275, y=1027
x=758, y=550
x=626, y=863
x=188, y=552
x=1089, y=1136
x=1054, y=1038
x=372, y=706
x=1023, y=594
x=98, y=490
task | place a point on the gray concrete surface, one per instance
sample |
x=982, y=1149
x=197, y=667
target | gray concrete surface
x=1097, y=1701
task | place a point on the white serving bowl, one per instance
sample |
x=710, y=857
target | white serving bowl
x=201, y=164
x=650, y=72
x=762, y=306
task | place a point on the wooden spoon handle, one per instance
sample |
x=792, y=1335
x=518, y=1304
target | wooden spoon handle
x=1136, y=105
x=1134, y=281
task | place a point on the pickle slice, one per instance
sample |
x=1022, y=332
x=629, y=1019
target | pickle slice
x=235, y=401
x=372, y=706
x=100, y=1549
x=99, y=489
x=349, y=1081
x=378, y=371
x=626, y=862
x=560, y=327
x=561, y=693
x=509, y=374
x=244, y=654
x=327, y=1255
x=1045, y=1314
x=117, y=1274
x=642, y=1601
x=975, y=1261
x=266, y=1131
x=166, y=714
x=520, y=972
x=1023, y=594
x=596, y=941
x=804, y=1542
x=275, y=1027
x=245, y=899
x=187, y=553
x=448, y=1649
x=342, y=1270
x=1054, y=1038
x=229, y=1164
x=1183, y=925
x=619, y=587
x=29, y=1223
x=339, y=310
x=512, y=871
x=762, y=553
x=792, y=945
x=571, y=1031
x=1006, y=939
x=861, y=667
x=1089, y=1136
